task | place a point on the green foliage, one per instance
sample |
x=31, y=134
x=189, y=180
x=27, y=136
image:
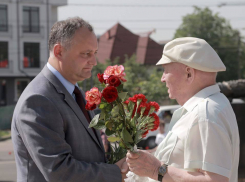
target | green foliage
x=217, y=31
x=5, y=133
x=144, y=79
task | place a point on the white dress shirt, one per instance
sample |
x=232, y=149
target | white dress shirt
x=205, y=137
x=68, y=85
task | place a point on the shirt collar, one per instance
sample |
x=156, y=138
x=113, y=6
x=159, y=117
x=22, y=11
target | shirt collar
x=68, y=85
x=200, y=96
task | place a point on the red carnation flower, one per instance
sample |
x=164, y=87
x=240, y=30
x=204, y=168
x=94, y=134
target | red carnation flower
x=142, y=104
x=110, y=93
x=114, y=81
x=90, y=106
x=148, y=107
x=156, y=122
x=144, y=134
x=100, y=77
x=133, y=99
x=154, y=104
x=140, y=96
x=126, y=102
x=133, y=113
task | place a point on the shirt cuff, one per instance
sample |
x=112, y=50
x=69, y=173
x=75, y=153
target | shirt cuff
x=207, y=167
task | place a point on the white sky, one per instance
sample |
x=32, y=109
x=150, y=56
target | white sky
x=145, y=15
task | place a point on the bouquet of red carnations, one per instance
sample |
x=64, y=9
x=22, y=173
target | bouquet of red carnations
x=126, y=121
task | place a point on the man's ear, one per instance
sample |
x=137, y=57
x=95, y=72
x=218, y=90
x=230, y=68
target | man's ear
x=190, y=74
x=58, y=51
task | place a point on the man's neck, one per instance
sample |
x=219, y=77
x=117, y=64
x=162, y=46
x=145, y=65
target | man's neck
x=191, y=92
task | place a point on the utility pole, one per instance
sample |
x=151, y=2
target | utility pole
x=238, y=56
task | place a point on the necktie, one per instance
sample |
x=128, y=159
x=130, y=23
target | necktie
x=80, y=102
x=176, y=116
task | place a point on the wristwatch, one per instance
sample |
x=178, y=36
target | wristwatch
x=162, y=171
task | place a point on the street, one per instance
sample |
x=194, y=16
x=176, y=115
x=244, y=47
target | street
x=7, y=162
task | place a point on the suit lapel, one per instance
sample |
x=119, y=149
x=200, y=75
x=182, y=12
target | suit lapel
x=91, y=114
x=72, y=103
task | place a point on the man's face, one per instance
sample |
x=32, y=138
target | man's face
x=161, y=129
x=174, y=77
x=79, y=59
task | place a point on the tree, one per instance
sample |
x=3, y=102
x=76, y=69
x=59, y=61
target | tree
x=217, y=31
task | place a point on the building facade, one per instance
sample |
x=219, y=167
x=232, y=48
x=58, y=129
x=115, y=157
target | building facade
x=24, y=30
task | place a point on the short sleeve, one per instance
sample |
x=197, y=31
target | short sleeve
x=208, y=147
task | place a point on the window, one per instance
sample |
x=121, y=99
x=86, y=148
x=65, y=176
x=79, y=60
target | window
x=3, y=18
x=3, y=97
x=4, y=54
x=31, y=55
x=20, y=85
x=31, y=19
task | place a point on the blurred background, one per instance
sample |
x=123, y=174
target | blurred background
x=131, y=33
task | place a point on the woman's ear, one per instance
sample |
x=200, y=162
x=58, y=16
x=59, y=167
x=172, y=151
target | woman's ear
x=190, y=74
x=58, y=51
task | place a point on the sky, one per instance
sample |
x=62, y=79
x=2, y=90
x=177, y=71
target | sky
x=139, y=16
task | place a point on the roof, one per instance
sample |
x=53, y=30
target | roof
x=118, y=41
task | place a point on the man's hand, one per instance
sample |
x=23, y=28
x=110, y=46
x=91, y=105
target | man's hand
x=143, y=163
x=122, y=164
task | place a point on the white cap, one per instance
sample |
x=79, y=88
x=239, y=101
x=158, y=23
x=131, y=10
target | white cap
x=193, y=52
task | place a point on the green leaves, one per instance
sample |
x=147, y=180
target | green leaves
x=100, y=125
x=94, y=121
x=109, y=132
x=126, y=136
x=120, y=88
x=138, y=136
x=115, y=111
x=113, y=139
x=122, y=95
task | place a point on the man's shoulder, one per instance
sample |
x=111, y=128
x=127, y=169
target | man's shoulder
x=218, y=103
x=38, y=87
x=215, y=108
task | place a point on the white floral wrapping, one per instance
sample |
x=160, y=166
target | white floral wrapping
x=135, y=178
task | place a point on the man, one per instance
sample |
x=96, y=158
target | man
x=52, y=141
x=203, y=141
x=161, y=129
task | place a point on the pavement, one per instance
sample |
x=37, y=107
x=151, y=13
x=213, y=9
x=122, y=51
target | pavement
x=7, y=162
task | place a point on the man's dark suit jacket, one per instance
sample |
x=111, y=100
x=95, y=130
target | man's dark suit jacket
x=51, y=138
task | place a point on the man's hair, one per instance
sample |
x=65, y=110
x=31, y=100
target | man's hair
x=63, y=32
x=162, y=123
